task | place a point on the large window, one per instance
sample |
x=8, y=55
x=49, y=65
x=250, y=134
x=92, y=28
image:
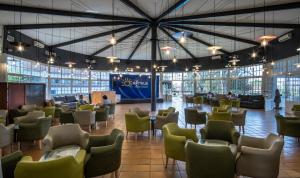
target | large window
x=100, y=81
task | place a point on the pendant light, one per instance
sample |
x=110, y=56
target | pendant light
x=254, y=53
x=113, y=40
x=174, y=60
x=265, y=39
x=214, y=49
x=233, y=62
x=51, y=57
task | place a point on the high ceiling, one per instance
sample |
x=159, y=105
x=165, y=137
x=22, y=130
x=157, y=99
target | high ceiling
x=153, y=8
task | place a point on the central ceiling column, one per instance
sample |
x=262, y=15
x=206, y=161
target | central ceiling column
x=153, y=61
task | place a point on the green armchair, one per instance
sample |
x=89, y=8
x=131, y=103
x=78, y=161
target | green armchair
x=296, y=110
x=104, y=154
x=175, y=139
x=31, y=131
x=225, y=102
x=63, y=167
x=236, y=103
x=136, y=124
x=66, y=117
x=224, y=108
x=226, y=116
x=208, y=161
x=192, y=116
x=89, y=107
x=102, y=115
x=139, y=112
x=164, y=112
x=220, y=130
x=49, y=111
x=198, y=100
x=288, y=126
x=9, y=163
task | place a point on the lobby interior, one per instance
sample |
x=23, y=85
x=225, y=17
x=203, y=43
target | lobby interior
x=150, y=88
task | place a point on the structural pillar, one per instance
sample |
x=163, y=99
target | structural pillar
x=153, y=61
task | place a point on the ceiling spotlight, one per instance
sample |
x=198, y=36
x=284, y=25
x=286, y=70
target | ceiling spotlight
x=272, y=63
x=264, y=40
x=254, y=54
x=20, y=47
x=214, y=49
x=167, y=49
x=138, y=67
x=154, y=66
x=174, y=60
x=111, y=58
x=182, y=38
x=264, y=43
x=186, y=69
x=146, y=70
x=113, y=40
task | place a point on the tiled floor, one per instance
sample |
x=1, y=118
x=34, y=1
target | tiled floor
x=144, y=157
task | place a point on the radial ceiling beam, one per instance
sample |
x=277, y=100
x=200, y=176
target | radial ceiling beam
x=138, y=44
x=198, y=40
x=176, y=6
x=159, y=52
x=238, y=24
x=169, y=35
x=136, y=9
x=277, y=7
x=69, y=25
x=217, y=34
x=95, y=36
x=118, y=41
x=38, y=10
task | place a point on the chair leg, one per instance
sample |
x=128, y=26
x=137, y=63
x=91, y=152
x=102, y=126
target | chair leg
x=239, y=129
x=136, y=135
x=167, y=160
x=149, y=135
x=243, y=129
x=116, y=174
x=126, y=134
x=105, y=123
x=40, y=144
x=11, y=148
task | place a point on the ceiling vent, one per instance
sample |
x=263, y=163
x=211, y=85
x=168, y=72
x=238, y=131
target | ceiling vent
x=216, y=57
x=38, y=44
x=285, y=37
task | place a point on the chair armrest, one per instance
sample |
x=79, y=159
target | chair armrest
x=84, y=139
x=257, y=153
x=80, y=157
x=188, y=133
x=96, y=141
x=250, y=142
x=29, y=125
x=25, y=159
x=234, y=136
x=160, y=117
x=102, y=150
x=144, y=119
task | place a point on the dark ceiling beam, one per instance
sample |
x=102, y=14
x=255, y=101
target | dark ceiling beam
x=238, y=24
x=177, y=5
x=95, y=36
x=138, y=44
x=169, y=35
x=198, y=40
x=69, y=25
x=118, y=41
x=159, y=51
x=217, y=34
x=38, y=10
x=136, y=9
x=277, y=7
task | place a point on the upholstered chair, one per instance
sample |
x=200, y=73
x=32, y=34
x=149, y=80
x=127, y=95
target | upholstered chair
x=3, y=116
x=49, y=111
x=225, y=116
x=198, y=100
x=63, y=167
x=29, y=117
x=66, y=117
x=175, y=139
x=189, y=100
x=139, y=112
x=33, y=131
x=223, y=108
x=136, y=124
x=6, y=136
x=65, y=135
x=164, y=112
x=88, y=107
x=296, y=110
x=236, y=103
x=85, y=118
x=104, y=154
x=239, y=119
x=160, y=121
x=193, y=117
x=28, y=107
x=288, y=126
x=9, y=163
x=13, y=113
x=225, y=102
x=259, y=157
x=112, y=109
x=102, y=115
x=204, y=161
x=220, y=130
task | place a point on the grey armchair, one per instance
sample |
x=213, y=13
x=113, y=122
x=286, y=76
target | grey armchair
x=6, y=136
x=259, y=157
x=28, y=107
x=239, y=119
x=85, y=118
x=64, y=135
x=30, y=117
x=192, y=116
x=160, y=121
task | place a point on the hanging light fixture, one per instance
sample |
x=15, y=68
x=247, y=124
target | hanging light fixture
x=265, y=39
x=214, y=48
x=186, y=69
x=182, y=38
x=116, y=69
x=70, y=64
x=113, y=40
x=154, y=66
x=174, y=59
x=146, y=70
x=272, y=63
x=111, y=58
x=253, y=54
